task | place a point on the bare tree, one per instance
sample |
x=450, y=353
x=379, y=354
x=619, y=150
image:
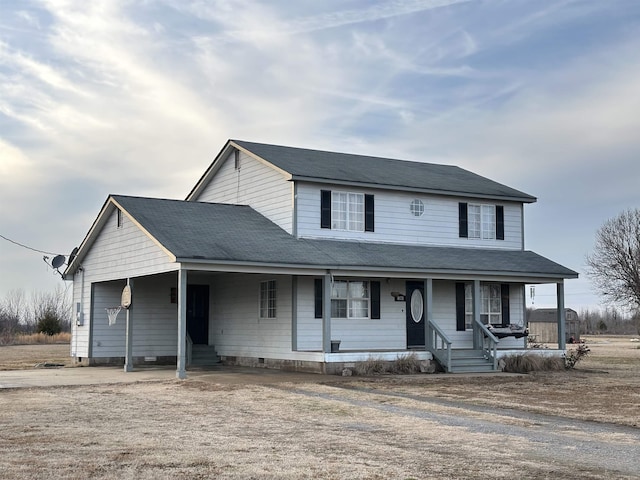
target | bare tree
x=614, y=265
x=54, y=307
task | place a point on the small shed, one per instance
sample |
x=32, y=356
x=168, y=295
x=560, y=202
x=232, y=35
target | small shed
x=543, y=325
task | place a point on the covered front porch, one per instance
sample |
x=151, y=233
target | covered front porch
x=404, y=315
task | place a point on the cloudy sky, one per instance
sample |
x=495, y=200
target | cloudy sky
x=136, y=97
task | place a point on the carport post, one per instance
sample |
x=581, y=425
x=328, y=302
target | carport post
x=561, y=315
x=181, y=371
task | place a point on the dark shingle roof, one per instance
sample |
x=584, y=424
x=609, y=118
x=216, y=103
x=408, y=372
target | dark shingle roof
x=238, y=234
x=384, y=172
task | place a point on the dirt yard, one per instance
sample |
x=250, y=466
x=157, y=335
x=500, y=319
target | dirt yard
x=575, y=424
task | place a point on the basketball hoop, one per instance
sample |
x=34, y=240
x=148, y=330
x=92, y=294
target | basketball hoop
x=112, y=313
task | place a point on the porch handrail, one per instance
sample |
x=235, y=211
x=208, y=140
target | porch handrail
x=189, y=349
x=439, y=345
x=487, y=341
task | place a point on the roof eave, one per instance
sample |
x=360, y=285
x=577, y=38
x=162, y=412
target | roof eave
x=449, y=193
x=529, y=277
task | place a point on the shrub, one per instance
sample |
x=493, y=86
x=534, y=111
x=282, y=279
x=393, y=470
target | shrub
x=405, y=364
x=575, y=355
x=371, y=366
x=49, y=324
x=528, y=362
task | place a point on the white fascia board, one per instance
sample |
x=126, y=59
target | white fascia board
x=109, y=206
x=211, y=170
x=90, y=237
x=219, y=160
x=286, y=174
x=447, y=193
x=171, y=256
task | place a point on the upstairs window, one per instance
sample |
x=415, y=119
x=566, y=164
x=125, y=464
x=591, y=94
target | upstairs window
x=118, y=218
x=482, y=221
x=479, y=221
x=346, y=211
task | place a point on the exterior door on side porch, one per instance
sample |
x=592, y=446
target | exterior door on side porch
x=415, y=314
x=198, y=314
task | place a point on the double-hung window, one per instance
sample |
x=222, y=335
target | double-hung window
x=350, y=299
x=490, y=304
x=347, y=211
x=482, y=221
x=479, y=221
x=268, y=299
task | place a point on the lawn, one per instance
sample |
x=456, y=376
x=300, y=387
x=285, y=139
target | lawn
x=543, y=425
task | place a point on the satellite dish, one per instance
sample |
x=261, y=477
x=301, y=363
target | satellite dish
x=72, y=255
x=58, y=261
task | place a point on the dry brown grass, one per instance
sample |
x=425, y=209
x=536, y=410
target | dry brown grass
x=42, y=339
x=20, y=357
x=376, y=428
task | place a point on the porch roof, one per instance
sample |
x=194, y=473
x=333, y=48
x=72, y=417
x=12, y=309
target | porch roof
x=206, y=232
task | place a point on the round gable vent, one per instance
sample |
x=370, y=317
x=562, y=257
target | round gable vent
x=417, y=208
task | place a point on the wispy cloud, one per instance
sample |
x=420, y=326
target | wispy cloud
x=115, y=96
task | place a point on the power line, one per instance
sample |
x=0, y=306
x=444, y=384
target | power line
x=27, y=247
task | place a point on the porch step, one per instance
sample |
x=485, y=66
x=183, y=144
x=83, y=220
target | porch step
x=470, y=361
x=204, y=355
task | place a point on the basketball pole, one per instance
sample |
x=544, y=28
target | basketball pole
x=128, y=360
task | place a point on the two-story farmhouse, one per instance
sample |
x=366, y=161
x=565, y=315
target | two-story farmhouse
x=279, y=253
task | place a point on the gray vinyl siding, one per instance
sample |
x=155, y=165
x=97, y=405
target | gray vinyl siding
x=236, y=329
x=117, y=253
x=121, y=252
x=394, y=222
x=386, y=333
x=264, y=188
x=80, y=333
x=153, y=316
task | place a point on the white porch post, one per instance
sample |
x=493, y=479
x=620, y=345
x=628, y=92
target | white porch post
x=524, y=312
x=294, y=313
x=181, y=371
x=428, y=313
x=477, y=343
x=326, y=313
x=128, y=358
x=561, y=315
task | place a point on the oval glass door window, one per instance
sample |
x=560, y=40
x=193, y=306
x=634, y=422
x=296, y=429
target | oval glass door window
x=417, y=305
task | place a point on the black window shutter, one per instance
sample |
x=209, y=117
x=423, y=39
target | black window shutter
x=462, y=220
x=318, y=297
x=499, y=222
x=460, y=317
x=325, y=208
x=369, y=217
x=375, y=300
x=505, y=304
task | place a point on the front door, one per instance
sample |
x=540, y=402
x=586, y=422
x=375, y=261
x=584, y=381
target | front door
x=415, y=314
x=198, y=313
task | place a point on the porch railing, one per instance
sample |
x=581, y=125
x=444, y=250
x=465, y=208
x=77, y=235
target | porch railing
x=487, y=341
x=439, y=345
x=189, y=349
